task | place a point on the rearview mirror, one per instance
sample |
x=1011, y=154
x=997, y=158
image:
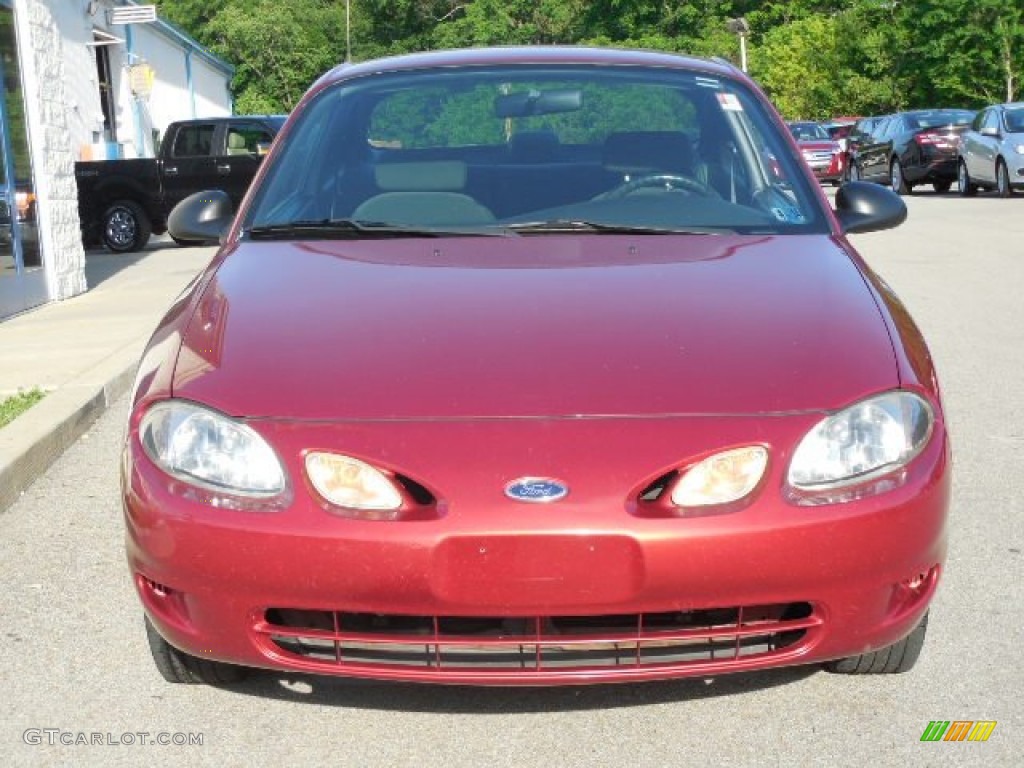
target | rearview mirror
x=534, y=102
x=202, y=217
x=865, y=207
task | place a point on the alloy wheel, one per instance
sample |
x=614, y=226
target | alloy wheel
x=121, y=227
x=1002, y=179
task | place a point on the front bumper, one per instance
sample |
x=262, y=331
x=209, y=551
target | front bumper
x=491, y=591
x=825, y=167
x=933, y=167
x=1015, y=170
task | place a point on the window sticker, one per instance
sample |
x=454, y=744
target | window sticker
x=730, y=102
x=788, y=214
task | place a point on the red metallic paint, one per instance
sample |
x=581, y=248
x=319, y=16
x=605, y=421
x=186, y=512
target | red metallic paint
x=603, y=361
x=526, y=326
x=594, y=556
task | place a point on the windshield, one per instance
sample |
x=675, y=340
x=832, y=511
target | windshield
x=808, y=132
x=937, y=119
x=1014, y=120
x=528, y=150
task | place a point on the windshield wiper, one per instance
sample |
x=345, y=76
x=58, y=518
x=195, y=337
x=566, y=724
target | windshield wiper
x=584, y=225
x=355, y=228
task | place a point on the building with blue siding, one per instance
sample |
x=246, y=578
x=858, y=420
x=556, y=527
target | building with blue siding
x=82, y=80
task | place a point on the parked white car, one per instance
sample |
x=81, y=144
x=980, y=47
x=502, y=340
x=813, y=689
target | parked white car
x=991, y=152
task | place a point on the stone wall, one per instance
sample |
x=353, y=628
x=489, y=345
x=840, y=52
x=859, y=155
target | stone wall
x=46, y=57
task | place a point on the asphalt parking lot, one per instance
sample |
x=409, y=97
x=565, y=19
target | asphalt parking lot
x=73, y=655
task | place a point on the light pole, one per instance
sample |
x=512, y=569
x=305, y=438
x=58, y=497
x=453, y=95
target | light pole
x=348, y=31
x=742, y=28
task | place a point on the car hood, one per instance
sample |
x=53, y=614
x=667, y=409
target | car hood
x=534, y=326
x=819, y=145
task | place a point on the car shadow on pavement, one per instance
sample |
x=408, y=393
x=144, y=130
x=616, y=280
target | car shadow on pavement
x=101, y=264
x=448, y=699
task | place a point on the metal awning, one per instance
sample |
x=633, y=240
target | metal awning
x=99, y=37
x=132, y=14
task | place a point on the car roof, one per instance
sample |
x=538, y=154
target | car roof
x=553, y=54
x=942, y=111
x=229, y=118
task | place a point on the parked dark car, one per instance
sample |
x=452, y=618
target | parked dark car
x=991, y=153
x=822, y=154
x=858, y=135
x=121, y=202
x=907, y=149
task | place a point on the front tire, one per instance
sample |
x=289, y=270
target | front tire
x=967, y=188
x=942, y=187
x=897, y=658
x=1003, y=188
x=179, y=667
x=126, y=227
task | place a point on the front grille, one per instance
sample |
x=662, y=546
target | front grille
x=818, y=158
x=530, y=649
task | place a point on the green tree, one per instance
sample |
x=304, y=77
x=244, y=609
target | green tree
x=965, y=52
x=193, y=15
x=798, y=66
x=816, y=58
x=874, y=49
x=278, y=49
x=510, y=22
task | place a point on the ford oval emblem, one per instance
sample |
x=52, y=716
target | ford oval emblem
x=539, y=490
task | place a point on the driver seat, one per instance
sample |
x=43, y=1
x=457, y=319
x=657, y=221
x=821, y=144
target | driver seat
x=634, y=154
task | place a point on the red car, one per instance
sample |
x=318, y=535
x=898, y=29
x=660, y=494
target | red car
x=822, y=153
x=522, y=366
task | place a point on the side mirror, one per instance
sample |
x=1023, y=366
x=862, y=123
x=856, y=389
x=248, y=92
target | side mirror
x=989, y=131
x=201, y=217
x=865, y=207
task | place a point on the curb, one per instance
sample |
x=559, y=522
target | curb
x=37, y=438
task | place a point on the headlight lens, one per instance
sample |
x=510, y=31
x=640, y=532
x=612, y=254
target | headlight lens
x=1019, y=149
x=348, y=482
x=870, y=438
x=720, y=479
x=206, y=448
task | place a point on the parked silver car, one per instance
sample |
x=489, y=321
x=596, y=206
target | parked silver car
x=991, y=152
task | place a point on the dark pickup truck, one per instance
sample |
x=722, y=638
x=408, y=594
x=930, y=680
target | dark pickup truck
x=122, y=202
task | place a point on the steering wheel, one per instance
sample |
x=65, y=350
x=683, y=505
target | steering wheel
x=667, y=181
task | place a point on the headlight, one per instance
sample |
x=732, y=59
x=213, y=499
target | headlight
x=720, y=479
x=873, y=437
x=205, y=448
x=351, y=483
x=1019, y=149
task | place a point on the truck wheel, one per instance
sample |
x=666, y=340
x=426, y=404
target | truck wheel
x=186, y=243
x=126, y=227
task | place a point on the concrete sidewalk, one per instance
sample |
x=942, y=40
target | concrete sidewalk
x=83, y=352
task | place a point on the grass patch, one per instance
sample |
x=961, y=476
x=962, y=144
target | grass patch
x=15, y=405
